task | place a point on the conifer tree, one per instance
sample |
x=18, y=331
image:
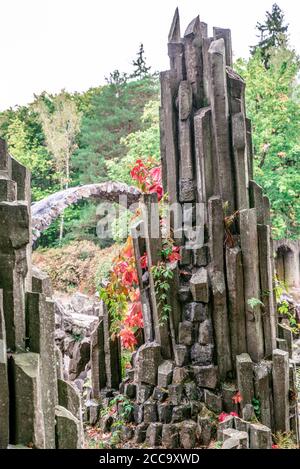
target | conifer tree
x=272, y=33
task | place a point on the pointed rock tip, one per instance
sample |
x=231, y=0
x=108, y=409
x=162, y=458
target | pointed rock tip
x=217, y=46
x=174, y=34
x=193, y=28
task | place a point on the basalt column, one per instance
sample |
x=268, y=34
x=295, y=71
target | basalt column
x=219, y=353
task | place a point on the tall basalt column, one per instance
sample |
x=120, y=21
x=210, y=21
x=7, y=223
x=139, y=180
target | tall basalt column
x=225, y=34
x=168, y=117
x=186, y=169
x=4, y=396
x=239, y=141
x=205, y=157
x=193, y=60
x=40, y=318
x=220, y=119
x=266, y=282
x=176, y=49
x=249, y=245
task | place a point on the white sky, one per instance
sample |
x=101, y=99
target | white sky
x=74, y=44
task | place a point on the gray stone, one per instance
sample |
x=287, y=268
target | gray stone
x=180, y=375
x=130, y=390
x=205, y=333
x=202, y=355
x=248, y=412
x=199, y=286
x=229, y=391
x=286, y=334
x=153, y=434
x=185, y=336
x=40, y=331
x=144, y=391
x=213, y=401
x=181, y=355
x=4, y=396
x=216, y=233
x=231, y=443
x=165, y=373
x=28, y=419
x=205, y=177
x=280, y=372
x=228, y=422
x=147, y=362
x=97, y=359
x=193, y=63
x=164, y=410
x=244, y=369
x=239, y=141
x=138, y=413
x=221, y=323
x=191, y=391
x=201, y=256
x=206, y=376
x=68, y=431
x=241, y=425
x=69, y=397
x=184, y=294
x=220, y=119
x=80, y=358
x=242, y=437
x=266, y=285
x=185, y=256
x=140, y=433
x=236, y=301
x=169, y=87
x=260, y=437
x=195, y=312
x=93, y=411
x=187, y=434
x=225, y=34
x=249, y=245
x=160, y=394
x=205, y=429
x=170, y=437
x=150, y=412
x=41, y=282
x=262, y=385
x=175, y=393
x=181, y=413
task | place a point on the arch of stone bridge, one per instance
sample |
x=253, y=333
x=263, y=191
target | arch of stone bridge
x=287, y=261
x=44, y=212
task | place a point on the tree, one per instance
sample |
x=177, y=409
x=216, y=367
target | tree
x=272, y=99
x=25, y=138
x=272, y=33
x=115, y=113
x=140, y=67
x=142, y=144
x=61, y=124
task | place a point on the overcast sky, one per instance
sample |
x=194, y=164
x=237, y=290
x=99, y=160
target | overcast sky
x=74, y=44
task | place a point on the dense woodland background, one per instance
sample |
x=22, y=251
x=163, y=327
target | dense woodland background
x=70, y=139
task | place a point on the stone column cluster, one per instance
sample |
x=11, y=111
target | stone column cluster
x=221, y=349
x=37, y=409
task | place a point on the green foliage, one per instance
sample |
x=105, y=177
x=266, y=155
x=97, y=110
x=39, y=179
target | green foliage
x=140, y=144
x=272, y=33
x=141, y=70
x=25, y=139
x=162, y=274
x=116, y=112
x=254, y=302
x=257, y=407
x=273, y=105
x=285, y=310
